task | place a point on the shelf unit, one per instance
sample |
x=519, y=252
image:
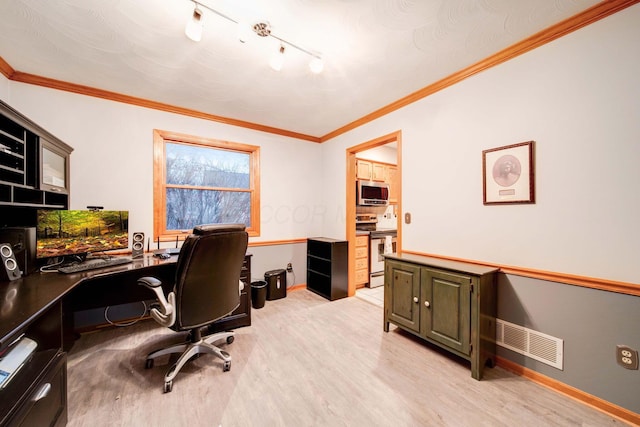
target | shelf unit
x=327, y=267
x=22, y=182
x=34, y=174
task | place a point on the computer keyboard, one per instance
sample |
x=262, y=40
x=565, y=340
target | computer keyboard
x=92, y=264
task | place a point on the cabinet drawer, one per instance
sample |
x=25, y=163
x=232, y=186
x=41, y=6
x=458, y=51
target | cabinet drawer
x=47, y=404
x=362, y=264
x=362, y=252
x=362, y=276
x=362, y=241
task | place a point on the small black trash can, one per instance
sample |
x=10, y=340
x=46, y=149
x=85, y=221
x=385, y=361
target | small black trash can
x=276, y=284
x=258, y=293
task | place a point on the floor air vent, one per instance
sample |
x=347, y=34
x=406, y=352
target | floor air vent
x=536, y=345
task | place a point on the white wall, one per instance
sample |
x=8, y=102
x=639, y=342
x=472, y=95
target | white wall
x=112, y=161
x=579, y=99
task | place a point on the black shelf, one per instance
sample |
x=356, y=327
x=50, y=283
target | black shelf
x=327, y=267
x=21, y=181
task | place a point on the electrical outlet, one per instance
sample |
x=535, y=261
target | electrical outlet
x=627, y=357
x=289, y=268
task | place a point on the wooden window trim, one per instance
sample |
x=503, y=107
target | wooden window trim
x=160, y=138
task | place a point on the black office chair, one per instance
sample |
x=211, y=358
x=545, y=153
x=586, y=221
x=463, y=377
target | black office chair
x=207, y=288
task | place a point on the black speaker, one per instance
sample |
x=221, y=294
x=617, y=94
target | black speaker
x=137, y=245
x=23, y=243
x=10, y=269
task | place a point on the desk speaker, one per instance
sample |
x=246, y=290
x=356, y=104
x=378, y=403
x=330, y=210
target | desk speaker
x=137, y=245
x=23, y=243
x=9, y=270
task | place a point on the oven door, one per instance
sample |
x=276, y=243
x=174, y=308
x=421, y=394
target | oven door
x=376, y=259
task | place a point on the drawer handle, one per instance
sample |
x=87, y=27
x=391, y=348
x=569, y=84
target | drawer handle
x=43, y=392
x=426, y=304
x=415, y=299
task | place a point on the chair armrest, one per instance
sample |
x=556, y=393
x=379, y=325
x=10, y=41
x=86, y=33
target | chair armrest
x=166, y=314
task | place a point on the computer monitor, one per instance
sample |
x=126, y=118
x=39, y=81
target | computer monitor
x=80, y=232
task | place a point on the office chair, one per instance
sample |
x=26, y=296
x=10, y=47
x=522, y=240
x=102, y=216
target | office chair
x=207, y=288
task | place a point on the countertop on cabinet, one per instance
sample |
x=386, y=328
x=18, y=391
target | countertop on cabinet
x=460, y=266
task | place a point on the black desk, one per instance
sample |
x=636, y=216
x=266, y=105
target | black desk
x=41, y=306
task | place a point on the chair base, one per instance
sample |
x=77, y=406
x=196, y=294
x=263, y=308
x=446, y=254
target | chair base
x=190, y=350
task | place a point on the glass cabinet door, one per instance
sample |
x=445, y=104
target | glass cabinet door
x=53, y=168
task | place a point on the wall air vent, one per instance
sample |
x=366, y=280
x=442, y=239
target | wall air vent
x=536, y=345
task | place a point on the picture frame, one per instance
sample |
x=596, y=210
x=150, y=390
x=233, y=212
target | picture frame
x=508, y=174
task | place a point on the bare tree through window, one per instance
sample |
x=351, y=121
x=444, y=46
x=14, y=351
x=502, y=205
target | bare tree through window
x=205, y=183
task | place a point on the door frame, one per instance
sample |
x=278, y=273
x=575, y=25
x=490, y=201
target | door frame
x=351, y=197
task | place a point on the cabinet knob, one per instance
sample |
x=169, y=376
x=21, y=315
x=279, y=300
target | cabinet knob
x=415, y=299
x=426, y=304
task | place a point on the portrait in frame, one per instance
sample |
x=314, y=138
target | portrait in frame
x=508, y=174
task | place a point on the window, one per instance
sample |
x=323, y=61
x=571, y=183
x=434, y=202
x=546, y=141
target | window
x=203, y=181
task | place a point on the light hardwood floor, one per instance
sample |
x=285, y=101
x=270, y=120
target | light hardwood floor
x=305, y=361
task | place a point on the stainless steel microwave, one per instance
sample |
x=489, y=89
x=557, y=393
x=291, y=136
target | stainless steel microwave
x=371, y=193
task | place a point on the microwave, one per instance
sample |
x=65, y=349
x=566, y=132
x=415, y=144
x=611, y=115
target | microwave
x=370, y=193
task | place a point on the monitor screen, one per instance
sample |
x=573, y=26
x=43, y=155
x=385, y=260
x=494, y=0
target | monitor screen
x=79, y=232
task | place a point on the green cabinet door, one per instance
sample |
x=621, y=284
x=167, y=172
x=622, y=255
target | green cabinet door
x=402, y=295
x=445, y=303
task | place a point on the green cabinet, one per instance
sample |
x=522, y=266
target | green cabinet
x=450, y=304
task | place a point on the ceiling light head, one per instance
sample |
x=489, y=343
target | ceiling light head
x=193, y=30
x=277, y=60
x=316, y=65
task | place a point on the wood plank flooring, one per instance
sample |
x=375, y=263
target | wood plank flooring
x=305, y=361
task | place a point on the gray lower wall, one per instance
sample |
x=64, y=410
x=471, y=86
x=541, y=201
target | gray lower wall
x=266, y=258
x=591, y=322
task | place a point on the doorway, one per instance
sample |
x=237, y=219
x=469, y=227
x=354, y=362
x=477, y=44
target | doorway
x=393, y=140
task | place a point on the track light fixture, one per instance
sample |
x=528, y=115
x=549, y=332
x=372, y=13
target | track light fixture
x=193, y=30
x=278, y=59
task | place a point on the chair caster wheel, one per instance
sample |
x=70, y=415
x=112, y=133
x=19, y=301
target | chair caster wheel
x=230, y=339
x=148, y=364
x=168, y=386
x=226, y=367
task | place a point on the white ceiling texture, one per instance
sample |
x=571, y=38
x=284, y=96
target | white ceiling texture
x=375, y=52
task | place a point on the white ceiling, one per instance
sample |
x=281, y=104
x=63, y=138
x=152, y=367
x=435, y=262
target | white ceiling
x=375, y=51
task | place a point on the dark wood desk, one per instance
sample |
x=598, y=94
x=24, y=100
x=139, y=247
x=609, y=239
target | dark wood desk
x=41, y=307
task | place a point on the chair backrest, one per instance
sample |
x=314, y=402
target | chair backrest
x=208, y=273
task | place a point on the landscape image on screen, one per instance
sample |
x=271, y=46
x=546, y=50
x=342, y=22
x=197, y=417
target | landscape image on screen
x=77, y=232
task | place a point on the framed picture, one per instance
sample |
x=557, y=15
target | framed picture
x=508, y=174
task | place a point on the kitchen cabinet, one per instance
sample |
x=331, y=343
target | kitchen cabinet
x=362, y=260
x=377, y=171
x=370, y=171
x=327, y=267
x=447, y=303
x=391, y=178
x=364, y=170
